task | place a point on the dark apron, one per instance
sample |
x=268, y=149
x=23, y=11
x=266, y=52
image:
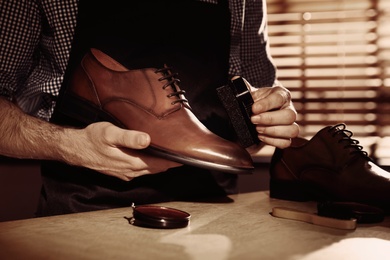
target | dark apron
x=190, y=36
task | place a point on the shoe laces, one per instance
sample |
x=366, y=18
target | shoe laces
x=173, y=82
x=340, y=130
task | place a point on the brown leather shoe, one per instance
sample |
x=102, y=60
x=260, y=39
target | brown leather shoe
x=151, y=101
x=329, y=167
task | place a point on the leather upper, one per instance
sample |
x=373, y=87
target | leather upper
x=150, y=100
x=333, y=166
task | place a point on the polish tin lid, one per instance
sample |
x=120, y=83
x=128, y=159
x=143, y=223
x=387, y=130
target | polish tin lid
x=159, y=217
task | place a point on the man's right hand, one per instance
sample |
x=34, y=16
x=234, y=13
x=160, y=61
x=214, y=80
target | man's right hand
x=115, y=151
x=100, y=146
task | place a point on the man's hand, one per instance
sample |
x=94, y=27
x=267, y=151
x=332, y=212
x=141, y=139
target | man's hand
x=274, y=116
x=115, y=151
x=100, y=146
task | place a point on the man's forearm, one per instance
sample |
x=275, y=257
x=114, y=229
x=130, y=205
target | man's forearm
x=24, y=136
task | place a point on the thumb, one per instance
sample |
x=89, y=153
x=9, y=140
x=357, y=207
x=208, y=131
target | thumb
x=133, y=139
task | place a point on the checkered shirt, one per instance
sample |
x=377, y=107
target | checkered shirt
x=36, y=36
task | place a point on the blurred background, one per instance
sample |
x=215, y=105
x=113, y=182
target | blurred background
x=333, y=55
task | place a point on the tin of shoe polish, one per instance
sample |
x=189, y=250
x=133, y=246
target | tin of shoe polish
x=159, y=217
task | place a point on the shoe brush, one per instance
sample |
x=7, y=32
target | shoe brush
x=312, y=218
x=237, y=100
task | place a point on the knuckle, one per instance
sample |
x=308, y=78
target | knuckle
x=267, y=118
x=297, y=130
x=284, y=93
x=291, y=115
x=294, y=133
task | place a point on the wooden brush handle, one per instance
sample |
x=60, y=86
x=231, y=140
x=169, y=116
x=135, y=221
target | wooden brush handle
x=287, y=213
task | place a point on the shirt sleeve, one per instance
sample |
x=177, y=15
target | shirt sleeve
x=19, y=37
x=249, y=53
x=35, y=42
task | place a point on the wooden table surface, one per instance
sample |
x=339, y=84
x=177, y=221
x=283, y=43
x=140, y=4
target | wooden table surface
x=241, y=228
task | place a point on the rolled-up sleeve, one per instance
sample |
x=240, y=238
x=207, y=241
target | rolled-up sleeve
x=20, y=28
x=35, y=42
x=249, y=53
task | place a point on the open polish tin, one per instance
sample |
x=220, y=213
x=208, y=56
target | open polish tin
x=159, y=217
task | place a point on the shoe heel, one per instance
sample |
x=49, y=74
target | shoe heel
x=82, y=111
x=282, y=186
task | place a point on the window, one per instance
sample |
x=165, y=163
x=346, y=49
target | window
x=334, y=56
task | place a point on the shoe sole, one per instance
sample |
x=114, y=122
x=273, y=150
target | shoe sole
x=87, y=113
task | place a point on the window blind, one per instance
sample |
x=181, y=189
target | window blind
x=334, y=57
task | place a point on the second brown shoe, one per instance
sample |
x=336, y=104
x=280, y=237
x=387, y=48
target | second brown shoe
x=149, y=100
x=331, y=166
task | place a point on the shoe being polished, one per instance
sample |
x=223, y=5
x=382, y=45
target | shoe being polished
x=330, y=167
x=149, y=100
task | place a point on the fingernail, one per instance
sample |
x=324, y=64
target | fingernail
x=260, y=130
x=143, y=140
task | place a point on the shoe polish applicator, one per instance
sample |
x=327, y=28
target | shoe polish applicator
x=237, y=101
